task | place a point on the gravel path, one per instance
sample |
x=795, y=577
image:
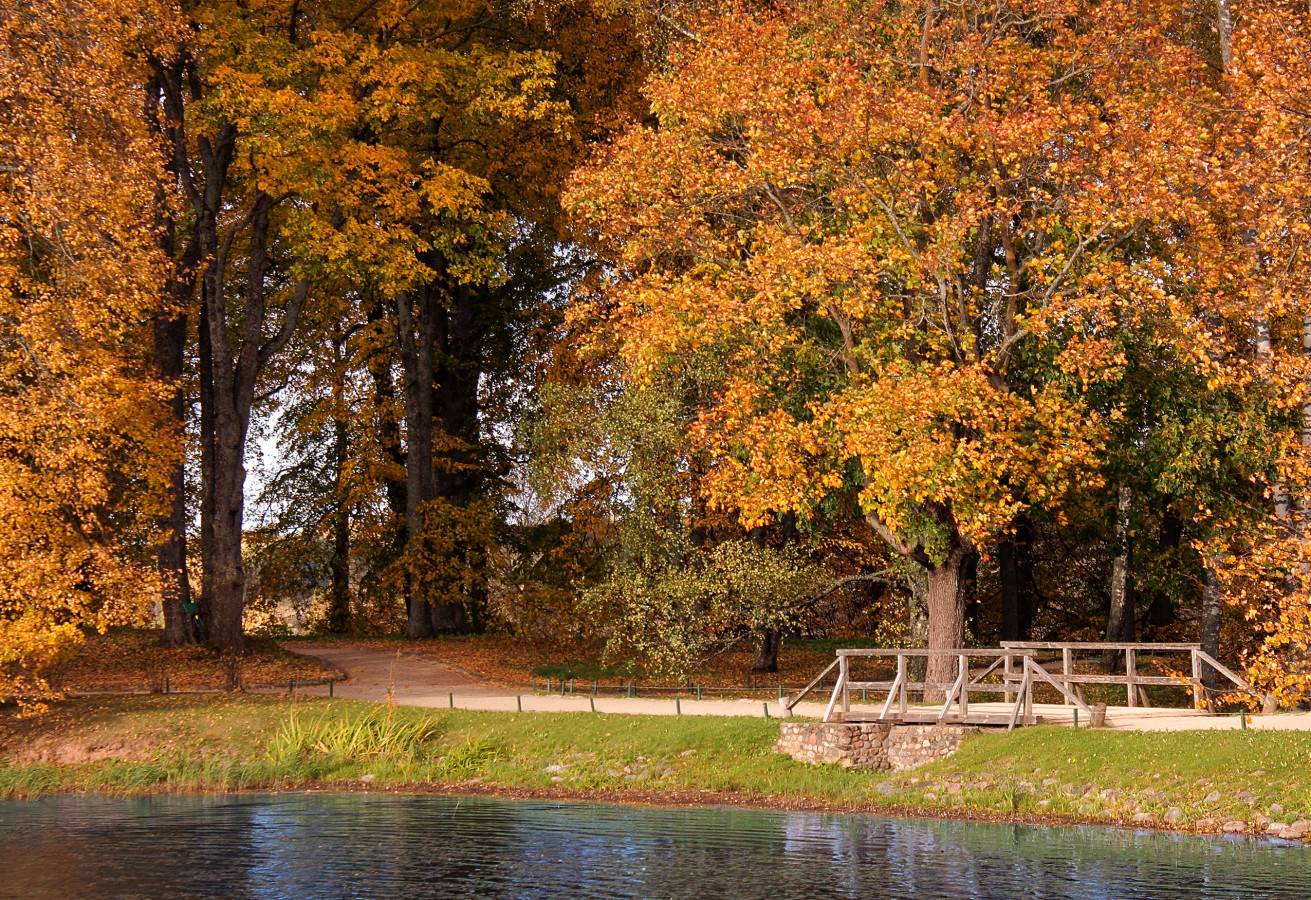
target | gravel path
x=421, y=681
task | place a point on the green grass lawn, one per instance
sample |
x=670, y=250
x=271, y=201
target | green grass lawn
x=226, y=742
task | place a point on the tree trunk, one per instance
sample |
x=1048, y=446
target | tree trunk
x=1160, y=613
x=918, y=626
x=1210, y=625
x=415, y=320
x=170, y=346
x=1120, y=620
x=768, y=643
x=339, y=611
x=946, y=604
x=455, y=404
x=389, y=433
x=206, y=390
x=969, y=586
x=170, y=352
x=1015, y=566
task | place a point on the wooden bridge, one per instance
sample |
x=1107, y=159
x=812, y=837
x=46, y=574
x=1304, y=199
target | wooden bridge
x=1011, y=671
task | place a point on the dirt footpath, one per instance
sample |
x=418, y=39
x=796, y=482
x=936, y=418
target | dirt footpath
x=419, y=681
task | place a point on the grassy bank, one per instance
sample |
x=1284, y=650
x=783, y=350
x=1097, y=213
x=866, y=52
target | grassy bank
x=1189, y=781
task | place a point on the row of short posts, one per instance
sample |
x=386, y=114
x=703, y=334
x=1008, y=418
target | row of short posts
x=291, y=686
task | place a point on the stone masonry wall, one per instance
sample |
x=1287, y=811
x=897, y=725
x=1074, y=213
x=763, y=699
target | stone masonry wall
x=870, y=745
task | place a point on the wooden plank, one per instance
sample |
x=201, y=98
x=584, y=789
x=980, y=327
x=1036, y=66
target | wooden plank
x=1098, y=645
x=1019, y=701
x=893, y=692
x=991, y=687
x=837, y=689
x=902, y=677
x=1042, y=673
x=977, y=653
x=1066, y=666
x=806, y=690
x=1130, y=670
x=964, y=701
x=1223, y=670
x=846, y=690
x=1154, y=680
x=955, y=689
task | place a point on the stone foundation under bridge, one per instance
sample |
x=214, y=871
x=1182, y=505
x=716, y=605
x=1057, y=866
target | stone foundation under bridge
x=882, y=746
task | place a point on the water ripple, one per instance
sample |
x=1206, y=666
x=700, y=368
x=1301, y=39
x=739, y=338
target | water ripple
x=349, y=846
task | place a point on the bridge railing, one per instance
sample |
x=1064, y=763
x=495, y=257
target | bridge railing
x=1019, y=672
x=1133, y=682
x=1015, y=680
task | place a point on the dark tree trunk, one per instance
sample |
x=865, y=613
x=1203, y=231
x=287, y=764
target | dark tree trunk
x=227, y=375
x=970, y=593
x=768, y=643
x=1015, y=565
x=170, y=346
x=389, y=431
x=455, y=403
x=1160, y=614
x=170, y=352
x=339, y=610
x=946, y=604
x=1120, y=619
x=416, y=326
x=206, y=390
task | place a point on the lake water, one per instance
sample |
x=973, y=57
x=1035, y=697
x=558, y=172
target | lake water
x=343, y=845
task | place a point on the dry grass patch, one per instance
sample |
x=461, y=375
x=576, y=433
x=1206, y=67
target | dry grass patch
x=131, y=659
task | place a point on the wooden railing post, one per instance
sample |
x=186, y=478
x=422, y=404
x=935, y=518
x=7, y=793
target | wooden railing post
x=846, y=693
x=1130, y=674
x=902, y=674
x=963, y=673
x=1006, y=677
x=1065, y=669
x=1028, y=689
x=1198, y=702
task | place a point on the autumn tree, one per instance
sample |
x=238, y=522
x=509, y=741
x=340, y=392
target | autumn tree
x=85, y=446
x=910, y=232
x=1260, y=563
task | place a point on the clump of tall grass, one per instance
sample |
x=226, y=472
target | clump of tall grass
x=377, y=735
x=470, y=759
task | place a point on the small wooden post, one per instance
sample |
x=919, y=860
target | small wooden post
x=901, y=676
x=846, y=694
x=963, y=673
x=1131, y=674
x=1028, y=685
x=1066, y=666
x=1197, y=679
x=1006, y=678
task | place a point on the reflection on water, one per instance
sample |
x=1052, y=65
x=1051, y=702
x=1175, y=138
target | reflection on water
x=342, y=845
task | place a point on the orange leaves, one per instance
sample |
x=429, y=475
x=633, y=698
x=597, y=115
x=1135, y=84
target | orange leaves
x=84, y=449
x=911, y=272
